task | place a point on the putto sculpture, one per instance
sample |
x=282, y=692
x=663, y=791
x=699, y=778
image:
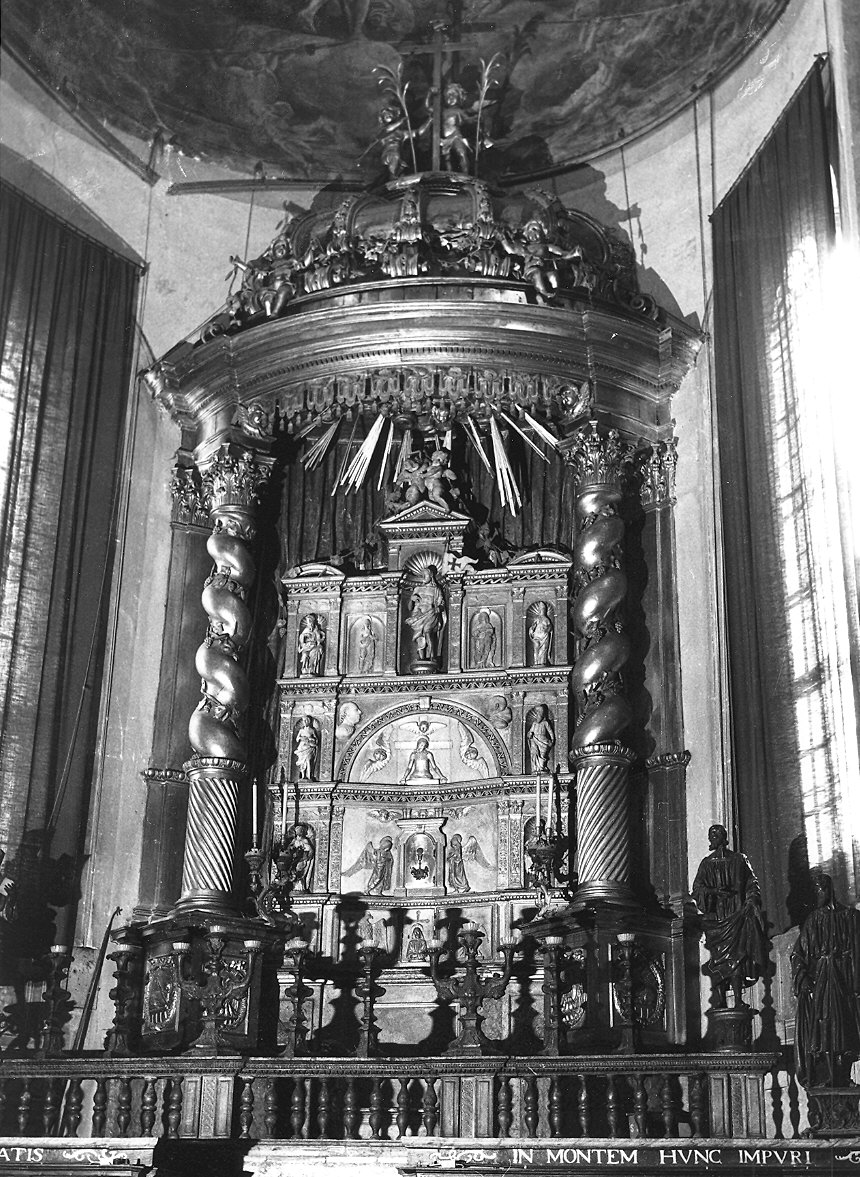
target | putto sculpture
x=826, y=971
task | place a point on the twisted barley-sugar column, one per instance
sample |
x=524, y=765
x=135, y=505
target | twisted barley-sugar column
x=232, y=481
x=601, y=760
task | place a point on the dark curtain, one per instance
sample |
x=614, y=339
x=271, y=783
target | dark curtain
x=316, y=525
x=66, y=316
x=792, y=701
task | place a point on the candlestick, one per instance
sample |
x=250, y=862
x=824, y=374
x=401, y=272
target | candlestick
x=254, y=813
x=283, y=812
x=537, y=805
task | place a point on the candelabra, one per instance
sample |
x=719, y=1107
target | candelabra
x=122, y=1037
x=56, y=1001
x=470, y=990
x=624, y=991
x=542, y=851
x=295, y=951
x=551, y=1013
x=221, y=995
x=368, y=991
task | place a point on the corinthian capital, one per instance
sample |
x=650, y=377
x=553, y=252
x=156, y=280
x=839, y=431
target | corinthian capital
x=657, y=468
x=597, y=460
x=234, y=479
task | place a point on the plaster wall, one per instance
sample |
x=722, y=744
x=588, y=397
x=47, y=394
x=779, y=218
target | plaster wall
x=659, y=189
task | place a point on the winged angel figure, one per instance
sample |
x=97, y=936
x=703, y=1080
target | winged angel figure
x=380, y=862
x=458, y=856
x=378, y=756
x=469, y=754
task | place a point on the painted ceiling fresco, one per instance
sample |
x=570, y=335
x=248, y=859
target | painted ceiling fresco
x=290, y=82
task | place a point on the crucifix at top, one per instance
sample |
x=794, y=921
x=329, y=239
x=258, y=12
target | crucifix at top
x=446, y=105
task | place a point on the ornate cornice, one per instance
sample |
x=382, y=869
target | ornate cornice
x=668, y=760
x=525, y=677
x=657, y=469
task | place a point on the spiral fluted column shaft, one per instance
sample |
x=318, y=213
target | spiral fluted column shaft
x=217, y=769
x=601, y=760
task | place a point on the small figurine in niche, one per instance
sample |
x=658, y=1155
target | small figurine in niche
x=311, y=646
x=427, y=615
x=307, y=745
x=484, y=636
x=416, y=947
x=825, y=965
x=727, y=894
x=300, y=854
x=422, y=765
x=457, y=880
x=541, y=738
x=540, y=634
x=366, y=648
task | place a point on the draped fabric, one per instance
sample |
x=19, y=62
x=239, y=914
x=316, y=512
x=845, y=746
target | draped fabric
x=66, y=324
x=316, y=525
x=790, y=587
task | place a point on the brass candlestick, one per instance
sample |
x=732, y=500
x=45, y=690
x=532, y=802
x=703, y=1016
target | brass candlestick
x=470, y=990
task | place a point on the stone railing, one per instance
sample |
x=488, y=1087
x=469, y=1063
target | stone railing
x=659, y=1096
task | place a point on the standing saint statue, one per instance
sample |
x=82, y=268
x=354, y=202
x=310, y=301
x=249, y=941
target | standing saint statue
x=366, y=648
x=483, y=640
x=541, y=738
x=427, y=615
x=307, y=744
x=300, y=854
x=383, y=867
x=825, y=965
x=311, y=646
x=727, y=894
x=540, y=634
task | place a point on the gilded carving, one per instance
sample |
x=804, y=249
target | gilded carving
x=540, y=633
x=657, y=469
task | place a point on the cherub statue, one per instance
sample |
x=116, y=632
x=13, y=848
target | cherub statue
x=394, y=131
x=440, y=479
x=455, y=115
x=539, y=258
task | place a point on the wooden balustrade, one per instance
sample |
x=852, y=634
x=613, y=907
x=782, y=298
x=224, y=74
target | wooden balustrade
x=596, y=1096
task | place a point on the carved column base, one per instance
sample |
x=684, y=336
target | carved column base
x=730, y=1029
x=213, y=801
x=834, y=1111
x=603, y=824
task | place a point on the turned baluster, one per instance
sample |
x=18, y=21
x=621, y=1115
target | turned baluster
x=430, y=1105
x=323, y=1106
x=667, y=1107
x=612, y=1105
x=297, y=1107
x=640, y=1105
x=100, y=1107
x=174, y=1107
x=246, y=1107
x=403, y=1107
x=698, y=1117
x=50, y=1107
x=270, y=1107
x=530, y=1105
x=351, y=1110
x=123, y=1106
x=148, y=1103
x=504, y=1106
x=582, y=1104
x=555, y=1105
x=375, y=1118
x=24, y=1101
x=72, y=1111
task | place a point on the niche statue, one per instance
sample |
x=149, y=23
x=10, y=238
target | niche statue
x=825, y=966
x=427, y=617
x=727, y=894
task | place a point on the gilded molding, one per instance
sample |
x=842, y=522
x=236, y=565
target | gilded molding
x=232, y=480
x=668, y=760
x=597, y=460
